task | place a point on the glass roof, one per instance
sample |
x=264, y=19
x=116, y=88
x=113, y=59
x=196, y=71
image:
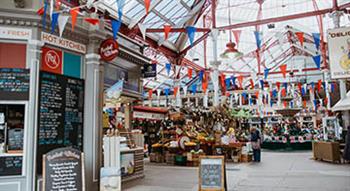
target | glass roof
x=279, y=38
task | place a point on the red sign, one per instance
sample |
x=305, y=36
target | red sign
x=51, y=60
x=109, y=50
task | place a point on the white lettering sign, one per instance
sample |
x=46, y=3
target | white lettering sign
x=339, y=52
x=62, y=42
x=15, y=33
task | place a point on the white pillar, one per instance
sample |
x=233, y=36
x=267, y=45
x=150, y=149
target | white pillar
x=215, y=65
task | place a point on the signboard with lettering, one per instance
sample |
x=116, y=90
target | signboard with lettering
x=149, y=70
x=109, y=50
x=15, y=33
x=63, y=43
x=10, y=165
x=211, y=173
x=51, y=60
x=339, y=52
x=61, y=107
x=63, y=169
x=14, y=84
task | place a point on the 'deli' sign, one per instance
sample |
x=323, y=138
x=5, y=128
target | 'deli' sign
x=63, y=169
x=212, y=173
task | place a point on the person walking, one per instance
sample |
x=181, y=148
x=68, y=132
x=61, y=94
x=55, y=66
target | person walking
x=255, y=139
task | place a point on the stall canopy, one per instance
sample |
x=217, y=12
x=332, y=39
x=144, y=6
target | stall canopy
x=343, y=104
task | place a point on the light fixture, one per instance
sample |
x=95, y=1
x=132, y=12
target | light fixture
x=231, y=52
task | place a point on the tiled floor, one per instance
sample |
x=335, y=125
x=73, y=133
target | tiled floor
x=278, y=171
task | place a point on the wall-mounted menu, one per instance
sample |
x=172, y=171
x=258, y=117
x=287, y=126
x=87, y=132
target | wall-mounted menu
x=14, y=84
x=10, y=165
x=211, y=173
x=15, y=139
x=61, y=105
x=63, y=170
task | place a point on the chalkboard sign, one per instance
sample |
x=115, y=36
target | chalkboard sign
x=15, y=139
x=10, y=165
x=212, y=173
x=61, y=106
x=63, y=169
x=14, y=84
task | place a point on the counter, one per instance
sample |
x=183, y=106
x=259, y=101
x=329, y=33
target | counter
x=132, y=164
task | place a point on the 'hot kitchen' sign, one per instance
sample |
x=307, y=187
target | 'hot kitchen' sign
x=63, y=43
x=109, y=50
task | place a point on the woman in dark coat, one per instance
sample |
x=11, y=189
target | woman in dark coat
x=346, y=154
x=256, y=141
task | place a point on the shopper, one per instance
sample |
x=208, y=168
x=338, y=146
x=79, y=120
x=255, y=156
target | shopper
x=256, y=141
x=346, y=154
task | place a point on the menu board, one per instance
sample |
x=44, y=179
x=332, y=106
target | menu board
x=15, y=139
x=14, y=84
x=61, y=106
x=10, y=165
x=211, y=173
x=63, y=170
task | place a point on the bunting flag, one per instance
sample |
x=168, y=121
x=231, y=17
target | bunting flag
x=233, y=79
x=312, y=85
x=168, y=68
x=319, y=85
x=317, y=60
x=222, y=78
x=316, y=40
x=150, y=92
x=304, y=103
x=184, y=88
x=51, y=9
x=262, y=84
x=315, y=104
x=332, y=87
x=285, y=85
x=299, y=87
x=92, y=21
x=143, y=30
x=166, y=92
x=120, y=4
x=274, y=93
x=266, y=72
x=74, y=14
x=285, y=104
x=257, y=94
x=284, y=92
x=291, y=104
x=167, y=29
x=325, y=101
x=237, y=34
x=54, y=21
x=176, y=89
x=201, y=75
x=147, y=5
x=194, y=88
x=191, y=32
x=240, y=81
x=116, y=24
x=300, y=36
x=303, y=91
x=324, y=86
x=278, y=85
x=283, y=69
x=44, y=14
x=228, y=83
x=251, y=83
x=258, y=39
x=244, y=95
x=62, y=21
x=189, y=73
x=205, y=85
x=158, y=93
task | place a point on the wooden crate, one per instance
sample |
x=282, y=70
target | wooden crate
x=326, y=151
x=170, y=158
x=156, y=157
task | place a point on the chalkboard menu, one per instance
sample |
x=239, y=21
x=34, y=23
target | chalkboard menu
x=211, y=173
x=10, y=165
x=14, y=84
x=15, y=139
x=61, y=105
x=63, y=169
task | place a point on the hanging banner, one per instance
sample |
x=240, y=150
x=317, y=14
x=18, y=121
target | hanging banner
x=339, y=52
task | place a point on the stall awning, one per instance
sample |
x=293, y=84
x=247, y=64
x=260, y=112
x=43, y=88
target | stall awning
x=343, y=104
